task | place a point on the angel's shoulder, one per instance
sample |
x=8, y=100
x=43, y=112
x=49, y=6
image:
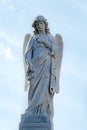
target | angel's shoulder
x=51, y=37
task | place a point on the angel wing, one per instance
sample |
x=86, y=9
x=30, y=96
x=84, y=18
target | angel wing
x=25, y=48
x=58, y=57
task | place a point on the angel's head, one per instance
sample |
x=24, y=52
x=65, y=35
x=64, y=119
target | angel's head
x=40, y=24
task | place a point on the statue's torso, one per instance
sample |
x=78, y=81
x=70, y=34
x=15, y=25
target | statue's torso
x=39, y=50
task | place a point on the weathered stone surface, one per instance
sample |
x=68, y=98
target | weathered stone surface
x=42, y=61
x=34, y=126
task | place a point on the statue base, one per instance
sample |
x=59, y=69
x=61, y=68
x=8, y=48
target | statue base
x=34, y=126
x=35, y=122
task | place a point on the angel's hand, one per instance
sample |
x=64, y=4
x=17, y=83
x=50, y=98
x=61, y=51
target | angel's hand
x=31, y=68
x=30, y=75
x=52, y=91
x=31, y=72
x=52, y=54
x=41, y=39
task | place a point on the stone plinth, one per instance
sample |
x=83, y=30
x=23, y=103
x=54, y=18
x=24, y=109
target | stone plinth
x=34, y=126
x=35, y=122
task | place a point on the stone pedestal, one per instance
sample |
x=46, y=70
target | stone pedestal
x=34, y=126
x=35, y=122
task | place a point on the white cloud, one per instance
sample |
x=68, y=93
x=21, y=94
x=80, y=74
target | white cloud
x=5, y=1
x=8, y=53
x=11, y=8
x=8, y=4
x=1, y=48
x=11, y=39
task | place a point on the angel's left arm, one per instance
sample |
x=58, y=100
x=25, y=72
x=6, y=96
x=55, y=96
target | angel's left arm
x=50, y=43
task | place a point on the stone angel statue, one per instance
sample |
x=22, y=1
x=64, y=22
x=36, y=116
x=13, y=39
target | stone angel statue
x=42, y=62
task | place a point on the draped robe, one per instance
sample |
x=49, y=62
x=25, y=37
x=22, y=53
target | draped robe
x=40, y=98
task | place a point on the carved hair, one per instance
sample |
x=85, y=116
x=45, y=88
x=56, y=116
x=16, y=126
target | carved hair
x=40, y=18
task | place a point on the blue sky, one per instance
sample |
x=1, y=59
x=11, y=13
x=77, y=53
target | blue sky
x=66, y=17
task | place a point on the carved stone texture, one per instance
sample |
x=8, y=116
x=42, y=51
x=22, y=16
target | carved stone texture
x=42, y=61
x=34, y=126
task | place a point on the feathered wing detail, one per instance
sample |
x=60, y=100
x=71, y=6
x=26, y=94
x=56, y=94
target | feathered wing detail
x=25, y=48
x=58, y=57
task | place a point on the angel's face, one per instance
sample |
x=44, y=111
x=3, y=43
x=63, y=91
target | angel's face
x=40, y=25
